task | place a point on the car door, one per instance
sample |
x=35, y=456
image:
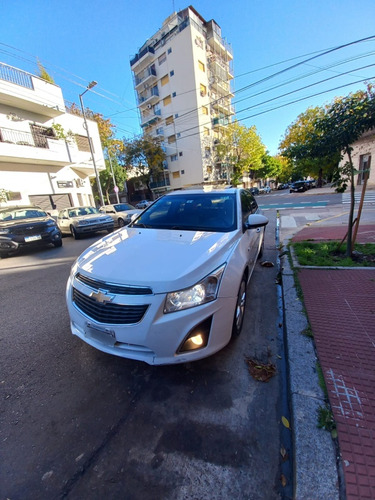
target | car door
x=251, y=237
x=63, y=221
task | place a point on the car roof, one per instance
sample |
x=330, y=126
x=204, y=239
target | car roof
x=20, y=207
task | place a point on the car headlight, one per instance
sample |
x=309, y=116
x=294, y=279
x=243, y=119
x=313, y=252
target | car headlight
x=4, y=231
x=51, y=223
x=201, y=293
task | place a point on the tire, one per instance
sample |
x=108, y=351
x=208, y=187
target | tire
x=74, y=233
x=57, y=243
x=121, y=222
x=239, y=311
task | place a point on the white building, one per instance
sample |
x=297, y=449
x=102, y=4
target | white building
x=363, y=150
x=182, y=79
x=38, y=165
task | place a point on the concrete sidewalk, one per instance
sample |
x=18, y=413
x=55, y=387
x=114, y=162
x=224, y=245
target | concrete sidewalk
x=340, y=305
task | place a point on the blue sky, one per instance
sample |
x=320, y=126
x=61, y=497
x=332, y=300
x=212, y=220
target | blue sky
x=94, y=40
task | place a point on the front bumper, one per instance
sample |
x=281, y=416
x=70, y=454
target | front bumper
x=93, y=228
x=156, y=337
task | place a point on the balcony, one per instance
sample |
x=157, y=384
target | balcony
x=141, y=59
x=148, y=99
x=159, y=184
x=147, y=77
x=218, y=44
x=22, y=90
x=26, y=148
x=150, y=119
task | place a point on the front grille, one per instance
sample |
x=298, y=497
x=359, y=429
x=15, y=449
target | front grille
x=30, y=229
x=112, y=287
x=114, y=314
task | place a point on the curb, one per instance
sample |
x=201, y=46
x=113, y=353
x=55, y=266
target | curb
x=315, y=464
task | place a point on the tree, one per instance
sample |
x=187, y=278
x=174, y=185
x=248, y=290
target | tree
x=275, y=167
x=145, y=156
x=343, y=123
x=106, y=177
x=242, y=149
x=297, y=134
x=43, y=73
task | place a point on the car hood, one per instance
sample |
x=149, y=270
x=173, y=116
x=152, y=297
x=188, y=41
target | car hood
x=90, y=217
x=164, y=260
x=25, y=222
x=129, y=212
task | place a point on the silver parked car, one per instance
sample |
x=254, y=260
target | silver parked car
x=121, y=213
x=78, y=221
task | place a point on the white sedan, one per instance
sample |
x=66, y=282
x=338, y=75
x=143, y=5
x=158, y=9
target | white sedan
x=171, y=286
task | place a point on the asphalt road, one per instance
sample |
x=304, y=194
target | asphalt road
x=78, y=423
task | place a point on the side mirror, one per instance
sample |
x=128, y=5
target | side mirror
x=256, y=220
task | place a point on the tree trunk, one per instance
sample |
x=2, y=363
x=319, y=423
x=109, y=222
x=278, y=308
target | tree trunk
x=352, y=202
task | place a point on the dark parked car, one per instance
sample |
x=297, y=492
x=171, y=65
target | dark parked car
x=26, y=226
x=298, y=187
x=254, y=191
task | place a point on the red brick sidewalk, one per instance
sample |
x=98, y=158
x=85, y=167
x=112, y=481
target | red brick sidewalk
x=341, y=309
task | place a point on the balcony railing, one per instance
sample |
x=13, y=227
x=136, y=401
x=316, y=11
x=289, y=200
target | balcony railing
x=23, y=138
x=164, y=182
x=140, y=54
x=14, y=75
x=150, y=72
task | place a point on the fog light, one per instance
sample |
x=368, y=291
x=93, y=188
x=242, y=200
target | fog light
x=197, y=338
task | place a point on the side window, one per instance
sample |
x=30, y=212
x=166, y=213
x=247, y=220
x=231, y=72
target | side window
x=248, y=205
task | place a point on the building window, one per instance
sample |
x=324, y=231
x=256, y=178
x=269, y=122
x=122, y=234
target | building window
x=159, y=131
x=176, y=115
x=169, y=50
x=83, y=143
x=201, y=66
x=164, y=80
x=169, y=120
x=180, y=153
x=167, y=100
x=205, y=110
x=207, y=152
x=174, y=157
x=206, y=131
x=182, y=171
x=171, y=73
x=176, y=175
x=178, y=134
x=174, y=94
x=203, y=90
x=162, y=58
x=171, y=139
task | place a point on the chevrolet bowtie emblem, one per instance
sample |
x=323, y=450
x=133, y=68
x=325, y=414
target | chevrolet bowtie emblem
x=101, y=297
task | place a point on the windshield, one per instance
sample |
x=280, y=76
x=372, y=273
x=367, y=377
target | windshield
x=214, y=212
x=80, y=211
x=122, y=207
x=25, y=213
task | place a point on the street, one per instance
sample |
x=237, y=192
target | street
x=77, y=423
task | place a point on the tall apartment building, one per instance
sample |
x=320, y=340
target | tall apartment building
x=182, y=78
x=45, y=156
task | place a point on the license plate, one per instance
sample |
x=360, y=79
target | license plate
x=32, y=238
x=94, y=330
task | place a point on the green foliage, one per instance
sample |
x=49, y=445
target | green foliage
x=326, y=420
x=145, y=157
x=329, y=254
x=242, y=149
x=43, y=73
x=331, y=133
x=106, y=177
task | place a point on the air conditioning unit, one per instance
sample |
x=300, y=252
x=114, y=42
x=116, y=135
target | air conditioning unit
x=149, y=106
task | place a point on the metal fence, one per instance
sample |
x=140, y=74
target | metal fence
x=16, y=76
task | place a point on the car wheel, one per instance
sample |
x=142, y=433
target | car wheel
x=57, y=243
x=4, y=255
x=239, y=311
x=74, y=233
x=121, y=223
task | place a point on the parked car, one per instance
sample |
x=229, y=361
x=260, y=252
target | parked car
x=298, y=187
x=143, y=204
x=171, y=286
x=311, y=183
x=26, y=226
x=78, y=221
x=282, y=186
x=265, y=190
x=121, y=213
x=254, y=191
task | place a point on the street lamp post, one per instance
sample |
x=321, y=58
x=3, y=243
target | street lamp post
x=90, y=86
